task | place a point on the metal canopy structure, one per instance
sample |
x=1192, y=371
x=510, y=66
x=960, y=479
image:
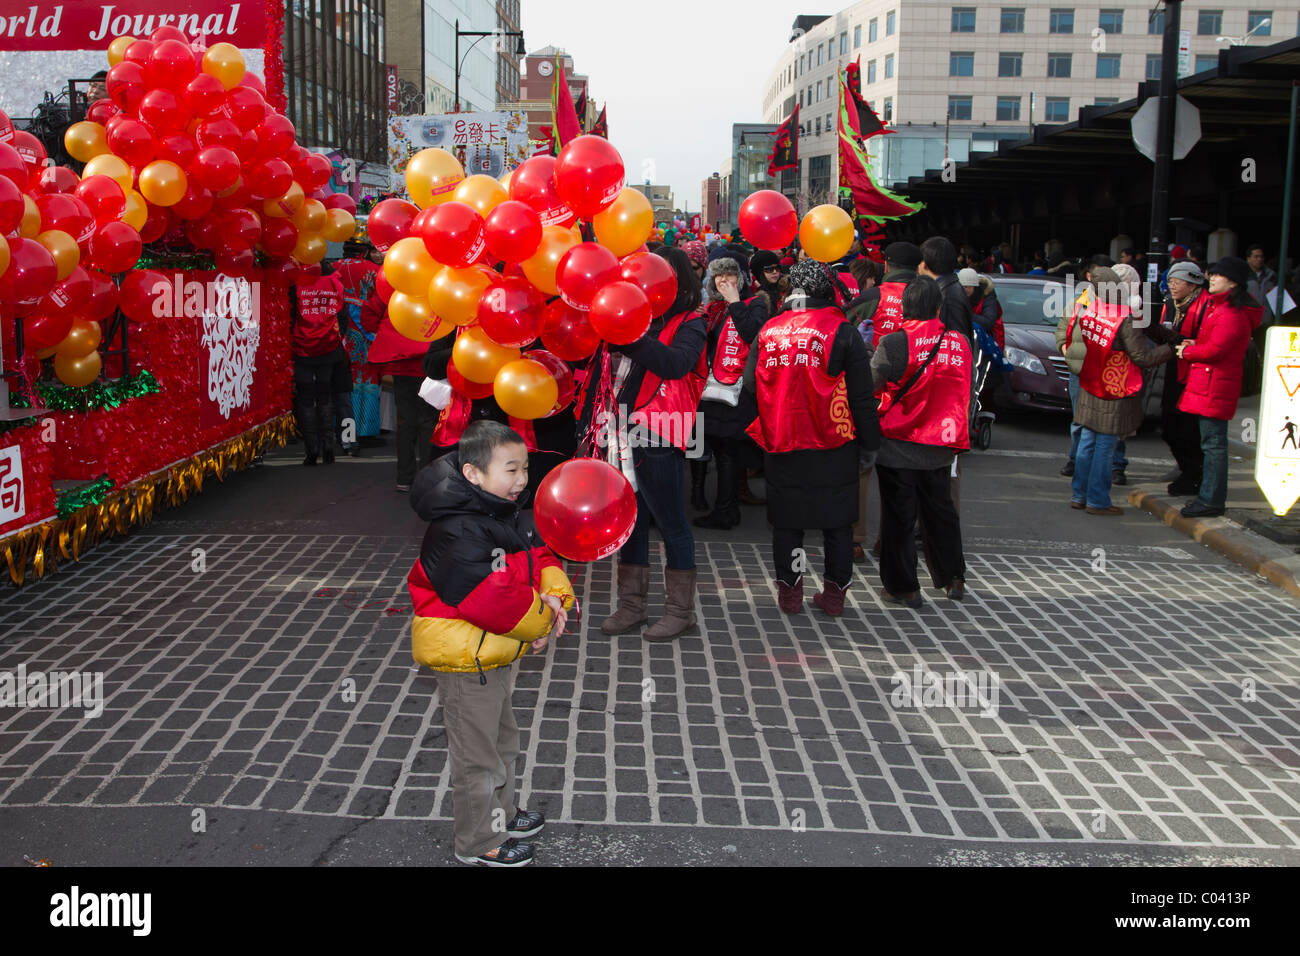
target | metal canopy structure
x=1085, y=182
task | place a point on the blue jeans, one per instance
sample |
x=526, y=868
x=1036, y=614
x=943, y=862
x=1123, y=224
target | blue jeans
x=1092, y=468
x=1120, y=461
x=1214, y=473
x=659, y=497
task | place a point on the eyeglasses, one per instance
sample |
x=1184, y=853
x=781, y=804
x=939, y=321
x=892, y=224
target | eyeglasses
x=771, y=268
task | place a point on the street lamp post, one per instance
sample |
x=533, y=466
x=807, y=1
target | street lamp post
x=520, y=49
x=1245, y=40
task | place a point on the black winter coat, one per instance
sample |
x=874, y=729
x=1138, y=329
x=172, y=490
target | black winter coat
x=721, y=420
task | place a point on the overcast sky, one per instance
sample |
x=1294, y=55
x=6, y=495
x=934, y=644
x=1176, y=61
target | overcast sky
x=675, y=75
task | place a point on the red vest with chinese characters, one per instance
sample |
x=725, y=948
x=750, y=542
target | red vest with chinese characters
x=731, y=353
x=316, y=332
x=1107, y=372
x=800, y=406
x=889, y=312
x=668, y=406
x=936, y=409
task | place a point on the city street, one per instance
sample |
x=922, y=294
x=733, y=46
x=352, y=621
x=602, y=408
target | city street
x=1138, y=696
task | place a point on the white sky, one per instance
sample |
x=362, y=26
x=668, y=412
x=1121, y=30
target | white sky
x=675, y=75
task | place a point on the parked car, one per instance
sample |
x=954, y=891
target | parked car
x=1031, y=307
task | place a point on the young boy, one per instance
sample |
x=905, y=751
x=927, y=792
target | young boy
x=484, y=588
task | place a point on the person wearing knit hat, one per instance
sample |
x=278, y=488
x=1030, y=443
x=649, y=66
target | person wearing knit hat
x=1184, y=312
x=968, y=278
x=1215, y=375
x=811, y=375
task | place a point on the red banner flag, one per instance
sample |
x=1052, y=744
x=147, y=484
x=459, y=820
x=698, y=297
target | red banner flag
x=785, y=152
x=563, y=115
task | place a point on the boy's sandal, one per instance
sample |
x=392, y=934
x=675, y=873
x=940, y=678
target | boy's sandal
x=510, y=853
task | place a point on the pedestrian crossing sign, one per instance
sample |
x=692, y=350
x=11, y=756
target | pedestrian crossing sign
x=1277, y=458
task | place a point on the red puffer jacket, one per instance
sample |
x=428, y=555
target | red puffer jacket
x=1214, y=379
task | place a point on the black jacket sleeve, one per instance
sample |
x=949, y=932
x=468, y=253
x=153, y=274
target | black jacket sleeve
x=849, y=355
x=439, y=354
x=749, y=317
x=674, y=360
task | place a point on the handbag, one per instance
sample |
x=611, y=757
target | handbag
x=715, y=391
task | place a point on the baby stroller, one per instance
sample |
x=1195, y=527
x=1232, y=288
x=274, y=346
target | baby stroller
x=988, y=358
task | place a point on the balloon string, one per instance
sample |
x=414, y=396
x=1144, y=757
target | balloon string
x=602, y=407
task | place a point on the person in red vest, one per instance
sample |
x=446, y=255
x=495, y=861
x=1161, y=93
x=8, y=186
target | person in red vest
x=923, y=375
x=811, y=373
x=1109, y=406
x=658, y=380
x=316, y=307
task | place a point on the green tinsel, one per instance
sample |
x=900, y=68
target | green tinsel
x=97, y=395
x=83, y=495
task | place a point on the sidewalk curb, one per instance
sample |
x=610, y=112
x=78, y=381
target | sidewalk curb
x=1274, y=562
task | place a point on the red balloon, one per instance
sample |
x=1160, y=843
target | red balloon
x=652, y=275
x=13, y=168
x=567, y=332
x=115, y=247
x=125, y=84
x=768, y=220
x=512, y=231
x=583, y=271
x=132, y=141
x=218, y=132
x=285, y=268
x=69, y=296
x=245, y=106
x=102, y=196
x=56, y=179
x=253, y=81
x=510, y=312
x=533, y=183
x=585, y=509
x=195, y=204
x=163, y=110
x=279, y=236
x=620, y=313
x=562, y=374
x=452, y=232
x=43, y=330
x=316, y=171
x=30, y=276
x=232, y=198
x=103, y=295
x=236, y=260
x=390, y=221
x=239, y=227
x=216, y=168
x=588, y=175
x=168, y=32
x=141, y=288
x=11, y=205
x=204, y=96
x=269, y=179
x=171, y=63
x=471, y=390
x=201, y=233
x=102, y=110
x=139, y=53
x=340, y=201
x=156, y=224
x=32, y=151
x=384, y=289
x=177, y=148
x=275, y=134
x=67, y=213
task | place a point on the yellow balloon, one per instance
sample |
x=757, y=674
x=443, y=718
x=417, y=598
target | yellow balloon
x=163, y=183
x=30, y=227
x=525, y=389
x=310, y=217
x=432, y=176
x=478, y=358
x=117, y=50
x=826, y=233
x=454, y=293
x=409, y=268
x=82, y=339
x=481, y=193
x=77, y=370
x=64, y=250
x=310, y=249
x=282, y=207
x=413, y=318
x=624, y=225
x=85, y=140
x=136, y=211
x=508, y=175
x=226, y=63
x=540, y=268
x=114, y=167
x=340, y=225
x=4, y=255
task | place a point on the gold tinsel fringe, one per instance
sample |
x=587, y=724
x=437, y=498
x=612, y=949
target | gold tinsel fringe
x=41, y=547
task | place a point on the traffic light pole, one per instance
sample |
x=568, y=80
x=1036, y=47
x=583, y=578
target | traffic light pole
x=1157, y=255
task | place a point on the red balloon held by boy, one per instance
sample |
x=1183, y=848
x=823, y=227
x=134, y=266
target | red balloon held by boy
x=585, y=509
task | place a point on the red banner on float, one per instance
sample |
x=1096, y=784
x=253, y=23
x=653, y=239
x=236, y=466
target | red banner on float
x=48, y=25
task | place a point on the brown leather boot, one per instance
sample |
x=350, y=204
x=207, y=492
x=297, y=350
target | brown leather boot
x=633, y=587
x=679, y=607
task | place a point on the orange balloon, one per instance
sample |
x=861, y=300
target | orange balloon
x=117, y=50
x=454, y=293
x=163, y=183
x=64, y=250
x=525, y=389
x=4, y=255
x=625, y=224
x=311, y=217
x=481, y=193
x=30, y=226
x=826, y=233
x=478, y=358
x=508, y=175
x=414, y=319
x=540, y=268
x=85, y=140
x=409, y=268
x=282, y=207
x=77, y=370
x=82, y=339
x=114, y=167
x=136, y=211
x=226, y=63
x=310, y=248
x=340, y=225
x=45, y=353
x=432, y=176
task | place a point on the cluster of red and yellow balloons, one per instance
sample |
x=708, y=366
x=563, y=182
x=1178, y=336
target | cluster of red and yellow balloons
x=769, y=221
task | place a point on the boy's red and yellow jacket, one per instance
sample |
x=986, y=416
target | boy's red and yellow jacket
x=477, y=586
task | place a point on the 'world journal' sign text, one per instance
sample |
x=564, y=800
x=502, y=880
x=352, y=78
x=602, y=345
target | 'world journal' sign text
x=93, y=26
